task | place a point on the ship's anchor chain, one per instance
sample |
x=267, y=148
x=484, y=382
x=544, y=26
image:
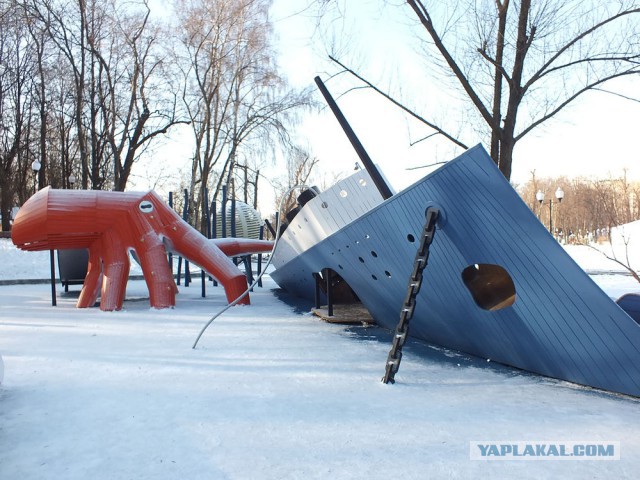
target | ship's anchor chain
x=413, y=288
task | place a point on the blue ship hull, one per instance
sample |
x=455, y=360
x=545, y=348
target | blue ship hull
x=561, y=324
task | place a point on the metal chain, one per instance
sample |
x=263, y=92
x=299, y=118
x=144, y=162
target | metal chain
x=413, y=288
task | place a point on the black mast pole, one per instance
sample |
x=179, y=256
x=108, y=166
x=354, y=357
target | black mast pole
x=382, y=186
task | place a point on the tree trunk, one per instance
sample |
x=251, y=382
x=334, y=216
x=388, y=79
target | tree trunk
x=503, y=8
x=6, y=202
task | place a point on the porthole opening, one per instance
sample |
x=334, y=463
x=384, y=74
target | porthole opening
x=361, y=259
x=491, y=286
x=411, y=238
x=146, y=206
x=374, y=254
x=387, y=273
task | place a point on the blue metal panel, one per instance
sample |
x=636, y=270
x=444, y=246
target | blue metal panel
x=630, y=303
x=561, y=325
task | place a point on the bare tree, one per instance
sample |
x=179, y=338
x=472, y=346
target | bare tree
x=110, y=52
x=619, y=254
x=519, y=63
x=133, y=82
x=62, y=143
x=68, y=27
x=591, y=208
x=300, y=165
x=538, y=57
x=17, y=69
x=86, y=89
x=233, y=94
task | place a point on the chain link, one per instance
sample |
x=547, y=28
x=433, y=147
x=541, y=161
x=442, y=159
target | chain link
x=413, y=288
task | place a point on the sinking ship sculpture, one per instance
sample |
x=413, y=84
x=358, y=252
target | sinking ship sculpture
x=497, y=284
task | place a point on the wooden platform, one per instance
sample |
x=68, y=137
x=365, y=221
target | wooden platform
x=352, y=314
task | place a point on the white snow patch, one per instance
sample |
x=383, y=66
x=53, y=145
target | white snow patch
x=269, y=394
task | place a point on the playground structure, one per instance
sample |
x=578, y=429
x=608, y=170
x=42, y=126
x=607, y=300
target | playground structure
x=109, y=225
x=498, y=284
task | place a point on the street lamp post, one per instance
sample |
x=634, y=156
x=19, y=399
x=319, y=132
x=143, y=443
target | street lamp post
x=559, y=197
x=35, y=166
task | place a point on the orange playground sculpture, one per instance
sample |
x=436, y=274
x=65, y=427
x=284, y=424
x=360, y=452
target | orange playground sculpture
x=110, y=224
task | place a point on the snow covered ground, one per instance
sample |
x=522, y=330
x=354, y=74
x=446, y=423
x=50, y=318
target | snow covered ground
x=271, y=392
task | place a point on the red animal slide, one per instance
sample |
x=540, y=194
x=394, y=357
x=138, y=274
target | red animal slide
x=110, y=224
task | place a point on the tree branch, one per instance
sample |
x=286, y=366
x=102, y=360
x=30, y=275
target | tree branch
x=425, y=19
x=569, y=100
x=401, y=106
x=536, y=76
x=483, y=53
x=624, y=58
x=626, y=266
x=617, y=94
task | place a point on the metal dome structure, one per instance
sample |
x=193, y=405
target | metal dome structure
x=247, y=221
